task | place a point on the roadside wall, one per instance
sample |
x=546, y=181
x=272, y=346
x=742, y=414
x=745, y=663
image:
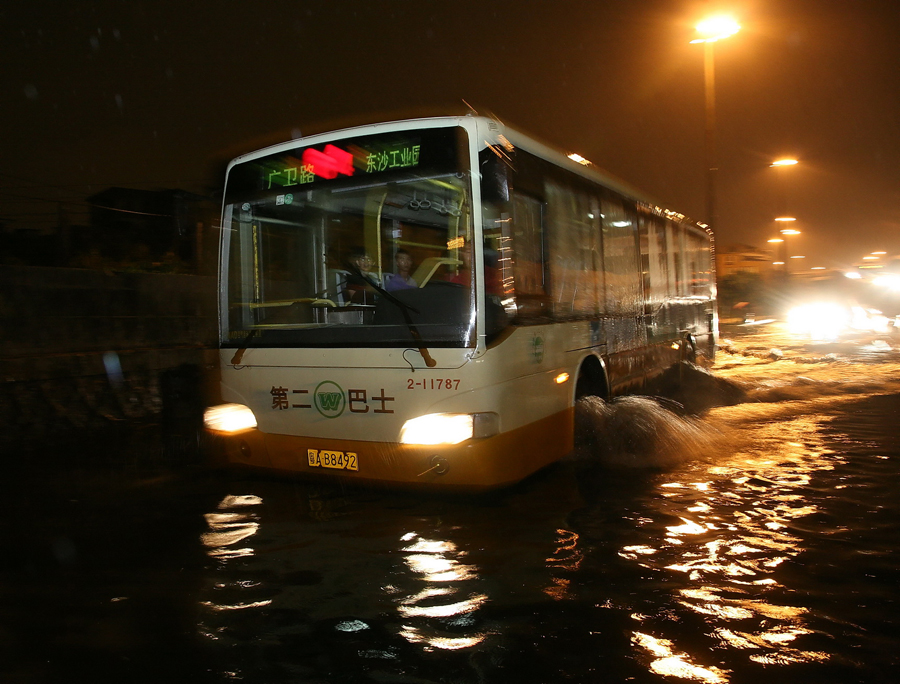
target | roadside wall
x=83, y=349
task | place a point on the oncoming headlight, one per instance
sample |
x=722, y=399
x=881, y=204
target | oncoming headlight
x=821, y=321
x=229, y=418
x=438, y=428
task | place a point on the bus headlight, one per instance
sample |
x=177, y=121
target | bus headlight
x=449, y=428
x=438, y=428
x=229, y=418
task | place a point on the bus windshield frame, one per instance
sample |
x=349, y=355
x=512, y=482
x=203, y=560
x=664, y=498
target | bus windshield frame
x=364, y=241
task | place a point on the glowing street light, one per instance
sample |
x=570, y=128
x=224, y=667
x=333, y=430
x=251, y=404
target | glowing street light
x=709, y=31
x=716, y=28
x=784, y=246
x=780, y=165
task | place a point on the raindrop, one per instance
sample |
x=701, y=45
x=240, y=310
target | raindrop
x=95, y=43
x=31, y=91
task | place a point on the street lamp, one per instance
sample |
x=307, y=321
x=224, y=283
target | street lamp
x=784, y=219
x=784, y=251
x=780, y=165
x=710, y=31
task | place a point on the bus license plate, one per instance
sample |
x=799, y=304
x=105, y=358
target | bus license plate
x=338, y=460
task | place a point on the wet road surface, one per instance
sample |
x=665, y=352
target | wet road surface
x=756, y=541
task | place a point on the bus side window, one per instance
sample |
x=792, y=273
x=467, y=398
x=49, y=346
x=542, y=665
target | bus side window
x=654, y=261
x=575, y=244
x=526, y=257
x=621, y=260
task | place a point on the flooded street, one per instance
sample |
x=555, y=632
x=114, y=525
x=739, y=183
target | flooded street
x=757, y=541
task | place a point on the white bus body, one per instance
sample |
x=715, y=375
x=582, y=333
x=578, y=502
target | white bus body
x=535, y=281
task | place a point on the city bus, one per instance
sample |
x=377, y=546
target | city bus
x=423, y=302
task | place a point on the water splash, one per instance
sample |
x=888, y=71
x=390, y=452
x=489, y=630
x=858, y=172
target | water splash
x=695, y=389
x=637, y=432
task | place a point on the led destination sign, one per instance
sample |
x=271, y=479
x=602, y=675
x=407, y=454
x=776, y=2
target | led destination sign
x=332, y=161
x=390, y=155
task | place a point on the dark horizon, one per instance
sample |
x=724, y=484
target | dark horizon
x=161, y=96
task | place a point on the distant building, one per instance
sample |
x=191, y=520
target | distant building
x=742, y=259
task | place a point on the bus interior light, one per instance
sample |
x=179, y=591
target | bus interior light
x=438, y=428
x=229, y=418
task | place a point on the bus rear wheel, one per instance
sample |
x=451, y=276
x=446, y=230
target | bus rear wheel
x=591, y=380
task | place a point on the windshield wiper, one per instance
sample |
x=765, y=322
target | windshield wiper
x=404, y=310
x=239, y=354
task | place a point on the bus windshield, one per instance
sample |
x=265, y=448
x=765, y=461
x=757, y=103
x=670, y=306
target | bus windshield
x=361, y=242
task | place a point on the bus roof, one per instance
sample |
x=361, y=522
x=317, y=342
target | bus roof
x=494, y=132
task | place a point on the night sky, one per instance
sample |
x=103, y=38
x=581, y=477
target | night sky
x=161, y=94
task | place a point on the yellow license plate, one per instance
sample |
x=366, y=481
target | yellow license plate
x=338, y=460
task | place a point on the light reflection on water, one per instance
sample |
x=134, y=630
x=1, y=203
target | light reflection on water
x=436, y=564
x=687, y=561
x=734, y=532
x=229, y=528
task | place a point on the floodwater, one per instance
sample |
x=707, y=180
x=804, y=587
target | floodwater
x=757, y=541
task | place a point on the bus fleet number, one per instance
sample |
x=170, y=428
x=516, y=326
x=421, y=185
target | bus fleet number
x=433, y=383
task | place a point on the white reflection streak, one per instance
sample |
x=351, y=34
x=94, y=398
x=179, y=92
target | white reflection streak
x=437, y=569
x=669, y=663
x=459, y=608
x=430, y=546
x=412, y=635
x=428, y=558
x=237, y=606
x=689, y=527
x=231, y=501
x=227, y=529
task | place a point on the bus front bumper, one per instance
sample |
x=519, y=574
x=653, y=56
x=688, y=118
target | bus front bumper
x=475, y=464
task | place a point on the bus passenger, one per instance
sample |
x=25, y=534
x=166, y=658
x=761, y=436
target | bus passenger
x=401, y=280
x=361, y=278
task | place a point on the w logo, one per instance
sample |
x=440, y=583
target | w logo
x=329, y=398
x=330, y=401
